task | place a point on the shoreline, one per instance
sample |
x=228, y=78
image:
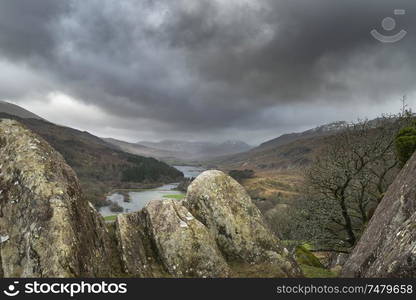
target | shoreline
x=139, y=189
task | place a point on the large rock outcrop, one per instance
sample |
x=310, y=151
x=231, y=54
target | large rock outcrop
x=388, y=245
x=165, y=236
x=46, y=228
x=223, y=205
x=215, y=232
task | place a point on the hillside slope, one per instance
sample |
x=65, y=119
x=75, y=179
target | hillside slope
x=197, y=150
x=289, y=151
x=100, y=166
x=319, y=131
x=138, y=149
x=16, y=110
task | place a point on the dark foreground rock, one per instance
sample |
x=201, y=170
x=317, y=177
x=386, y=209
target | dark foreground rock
x=48, y=229
x=388, y=245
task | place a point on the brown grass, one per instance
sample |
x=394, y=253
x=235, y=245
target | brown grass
x=273, y=185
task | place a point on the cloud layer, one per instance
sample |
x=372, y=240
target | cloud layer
x=208, y=69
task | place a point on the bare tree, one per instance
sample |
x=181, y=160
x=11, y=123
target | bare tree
x=348, y=180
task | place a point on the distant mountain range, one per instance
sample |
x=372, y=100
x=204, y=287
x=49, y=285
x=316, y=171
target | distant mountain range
x=174, y=151
x=142, y=150
x=287, y=151
x=198, y=150
x=311, y=133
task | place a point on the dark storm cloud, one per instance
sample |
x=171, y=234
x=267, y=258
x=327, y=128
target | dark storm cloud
x=207, y=67
x=25, y=27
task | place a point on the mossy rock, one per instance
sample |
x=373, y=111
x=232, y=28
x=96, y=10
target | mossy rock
x=406, y=144
x=305, y=257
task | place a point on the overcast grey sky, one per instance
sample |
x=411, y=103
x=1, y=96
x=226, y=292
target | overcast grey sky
x=199, y=69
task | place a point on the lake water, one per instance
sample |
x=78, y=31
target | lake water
x=189, y=171
x=139, y=199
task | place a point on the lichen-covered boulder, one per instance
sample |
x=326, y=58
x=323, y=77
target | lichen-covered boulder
x=183, y=246
x=388, y=245
x=221, y=203
x=137, y=251
x=47, y=229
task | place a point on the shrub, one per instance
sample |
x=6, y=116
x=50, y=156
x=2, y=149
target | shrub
x=149, y=169
x=183, y=185
x=115, y=207
x=406, y=144
x=306, y=257
x=241, y=174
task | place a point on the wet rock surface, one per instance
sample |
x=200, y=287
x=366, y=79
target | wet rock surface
x=388, y=245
